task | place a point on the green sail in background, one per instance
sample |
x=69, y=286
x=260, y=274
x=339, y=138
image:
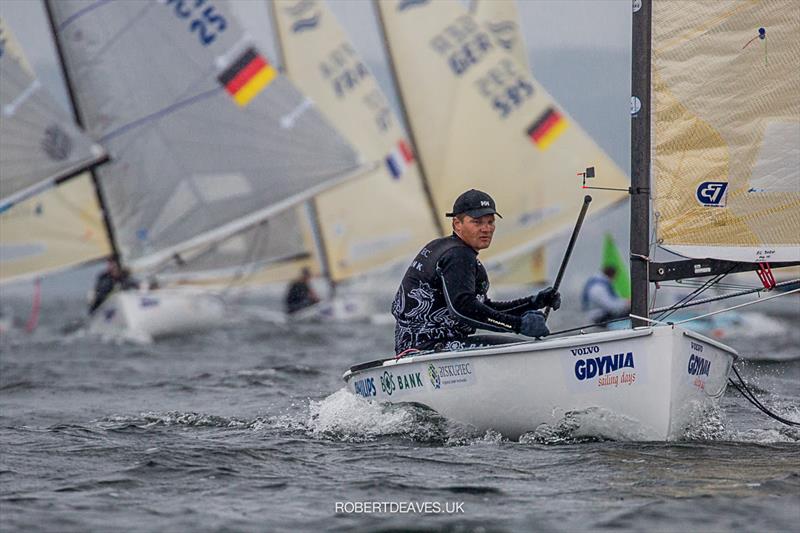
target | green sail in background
x=612, y=257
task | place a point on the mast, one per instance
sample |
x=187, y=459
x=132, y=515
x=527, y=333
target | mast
x=311, y=204
x=640, y=158
x=76, y=114
x=425, y=185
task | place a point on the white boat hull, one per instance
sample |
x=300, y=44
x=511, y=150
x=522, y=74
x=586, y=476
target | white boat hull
x=144, y=316
x=654, y=381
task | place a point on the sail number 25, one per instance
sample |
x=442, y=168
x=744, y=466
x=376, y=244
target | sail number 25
x=204, y=18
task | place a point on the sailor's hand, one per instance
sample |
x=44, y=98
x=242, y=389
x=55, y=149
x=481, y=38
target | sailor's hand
x=533, y=324
x=547, y=297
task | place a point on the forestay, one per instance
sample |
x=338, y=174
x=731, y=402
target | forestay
x=480, y=120
x=206, y=137
x=385, y=215
x=726, y=123
x=39, y=143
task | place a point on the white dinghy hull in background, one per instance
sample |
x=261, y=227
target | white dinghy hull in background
x=338, y=309
x=143, y=316
x=654, y=382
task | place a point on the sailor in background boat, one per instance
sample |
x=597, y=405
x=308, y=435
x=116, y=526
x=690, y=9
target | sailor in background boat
x=113, y=277
x=599, y=299
x=301, y=294
x=442, y=299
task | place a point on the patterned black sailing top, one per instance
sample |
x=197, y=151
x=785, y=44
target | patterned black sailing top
x=448, y=268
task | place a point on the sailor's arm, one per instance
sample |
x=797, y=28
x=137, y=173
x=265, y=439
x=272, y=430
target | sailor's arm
x=457, y=270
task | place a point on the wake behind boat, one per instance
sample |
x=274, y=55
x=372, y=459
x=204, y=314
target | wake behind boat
x=656, y=382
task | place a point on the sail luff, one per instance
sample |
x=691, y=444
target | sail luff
x=77, y=116
x=401, y=97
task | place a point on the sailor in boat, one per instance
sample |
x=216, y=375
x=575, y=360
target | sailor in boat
x=442, y=299
x=599, y=299
x=114, y=277
x=300, y=294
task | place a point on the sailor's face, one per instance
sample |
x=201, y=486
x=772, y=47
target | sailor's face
x=476, y=232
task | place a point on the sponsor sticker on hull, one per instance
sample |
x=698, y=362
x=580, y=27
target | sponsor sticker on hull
x=598, y=367
x=392, y=383
x=365, y=387
x=699, y=366
x=448, y=374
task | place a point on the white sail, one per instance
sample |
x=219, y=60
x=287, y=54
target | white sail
x=501, y=19
x=480, y=120
x=726, y=129
x=381, y=217
x=205, y=136
x=39, y=143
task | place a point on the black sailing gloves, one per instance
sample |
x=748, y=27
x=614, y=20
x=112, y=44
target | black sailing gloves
x=533, y=324
x=547, y=297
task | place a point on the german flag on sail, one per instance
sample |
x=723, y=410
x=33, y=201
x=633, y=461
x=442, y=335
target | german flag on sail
x=547, y=128
x=247, y=76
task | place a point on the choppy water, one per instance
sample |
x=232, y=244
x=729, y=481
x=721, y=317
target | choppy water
x=249, y=428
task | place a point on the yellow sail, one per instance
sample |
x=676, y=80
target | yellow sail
x=385, y=216
x=726, y=143
x=481, y=120
x=53, y=231
x=501, y=19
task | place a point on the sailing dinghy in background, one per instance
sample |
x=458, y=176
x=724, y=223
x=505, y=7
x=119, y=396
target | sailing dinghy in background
x=207, y=140
x=358, y=224
x=654, y=381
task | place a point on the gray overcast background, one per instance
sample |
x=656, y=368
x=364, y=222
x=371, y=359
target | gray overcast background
x=578, y=49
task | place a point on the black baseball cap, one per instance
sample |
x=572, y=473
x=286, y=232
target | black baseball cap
x=474, y=203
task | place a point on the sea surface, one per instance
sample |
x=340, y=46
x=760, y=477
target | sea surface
x=248, y=428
